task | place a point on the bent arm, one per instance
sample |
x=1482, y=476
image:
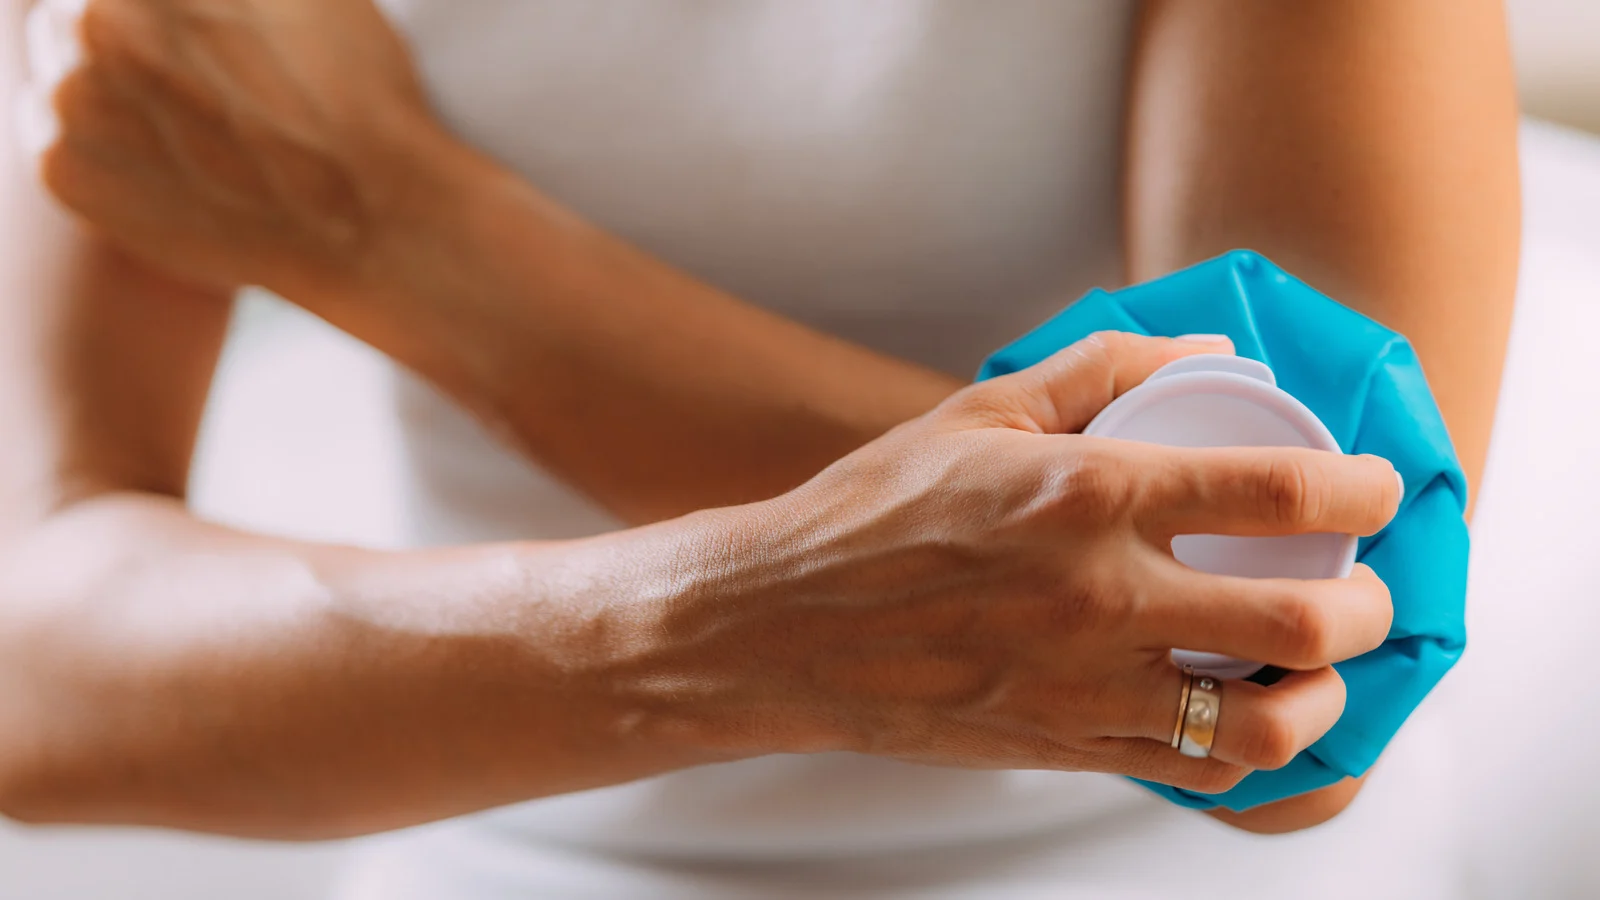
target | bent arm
x=652, y=392
x=158, y=670
x=1368, y=146
x=162, y=670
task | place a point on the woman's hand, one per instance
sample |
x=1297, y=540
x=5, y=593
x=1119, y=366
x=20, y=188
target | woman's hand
x=229, y=142
x=984, y=588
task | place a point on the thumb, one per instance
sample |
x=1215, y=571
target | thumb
x=1063, y=393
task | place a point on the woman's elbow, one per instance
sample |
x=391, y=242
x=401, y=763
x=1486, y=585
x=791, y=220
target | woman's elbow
x=28, y=793
x=1295, y=813
x=32, y=791
x=25, y=794
x=20, y=803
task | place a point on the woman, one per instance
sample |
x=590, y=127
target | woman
x=866, y=174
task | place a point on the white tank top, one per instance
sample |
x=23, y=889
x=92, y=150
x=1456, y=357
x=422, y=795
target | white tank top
x=927, y=177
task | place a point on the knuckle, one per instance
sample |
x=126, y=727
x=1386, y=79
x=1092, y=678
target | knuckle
x=97, y=23
x=1270, y=744
x=1095, y=357
x=74, y=98
x=1101, y=343
x=59, y=165
x=1306, y=632
x=57, y=169
x=1287, y=495
x=1091, y=603
x=1002, y=402
x=109, y=32
x=1094, y=489
x=1108, y=343
x=983, y=402
x=1215, y=778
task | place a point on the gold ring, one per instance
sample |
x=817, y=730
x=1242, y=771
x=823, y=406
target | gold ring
x=1200, y=717
x=1183, y=705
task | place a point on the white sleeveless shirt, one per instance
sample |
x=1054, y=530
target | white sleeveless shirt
x=930, y=178
x=926, y=177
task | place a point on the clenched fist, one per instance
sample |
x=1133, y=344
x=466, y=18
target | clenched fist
x=228, y=142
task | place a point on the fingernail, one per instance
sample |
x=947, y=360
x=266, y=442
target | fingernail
x=1203, y=338
x=1400, y=480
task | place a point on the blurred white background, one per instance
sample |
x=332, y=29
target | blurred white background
x=323, y=400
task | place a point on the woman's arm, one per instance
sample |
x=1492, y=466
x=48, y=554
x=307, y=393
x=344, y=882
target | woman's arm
x=157, y=669
x=1370, y=147
x=652, y=392
x=162, y=670
x=286, y=143
x=959, y=592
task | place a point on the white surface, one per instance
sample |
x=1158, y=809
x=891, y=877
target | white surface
x=121, y=865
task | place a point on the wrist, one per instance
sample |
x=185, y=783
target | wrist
x=708, y=669
x=417, y=183
x=551, y=658
x=443, y=276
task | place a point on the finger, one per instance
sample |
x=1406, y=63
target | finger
x=1061, y=394
x=1264, y=491
x=1258, y=727
x=99, y=119
x=100, y=163
x=1158, y=762
x=202, y=122
x=1286, y=622
x=1262, y=727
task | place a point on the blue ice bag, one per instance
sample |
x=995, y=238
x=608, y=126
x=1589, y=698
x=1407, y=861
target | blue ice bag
x=1364, y=382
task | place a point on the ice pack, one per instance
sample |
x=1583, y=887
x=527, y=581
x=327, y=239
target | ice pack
x=1362, y=382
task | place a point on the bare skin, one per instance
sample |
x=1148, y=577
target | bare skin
x=508, y=292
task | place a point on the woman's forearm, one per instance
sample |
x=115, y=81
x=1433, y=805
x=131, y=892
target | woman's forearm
x=1370, y=147
x=649, y=390
x=159, y=670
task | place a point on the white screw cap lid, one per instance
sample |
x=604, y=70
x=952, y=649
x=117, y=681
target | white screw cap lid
x=1215, y=400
